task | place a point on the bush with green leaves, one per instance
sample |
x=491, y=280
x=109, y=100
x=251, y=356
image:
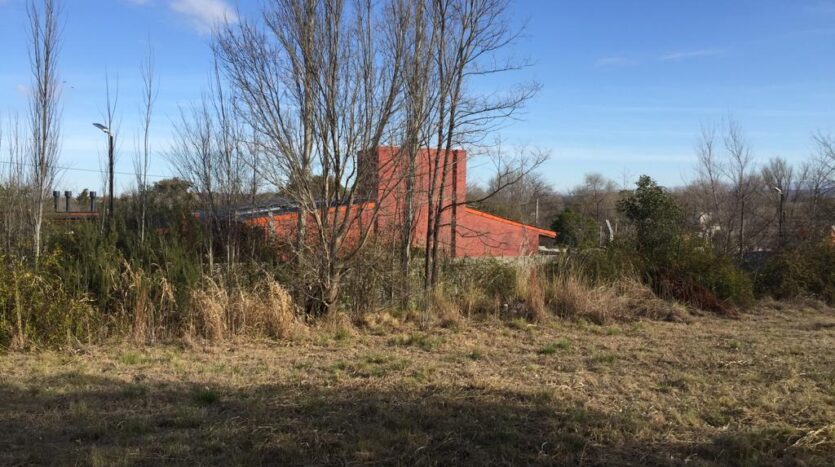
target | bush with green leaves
x=717, y=273
x=495, y=278
x=657, y=220
x=597, y=266
x=36, y=307
x=576, y=230
x=673, y=260
x=804, y=271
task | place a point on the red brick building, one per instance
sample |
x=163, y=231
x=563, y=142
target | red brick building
x=464, y=231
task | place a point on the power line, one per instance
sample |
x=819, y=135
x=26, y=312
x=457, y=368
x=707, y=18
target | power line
x=25, y=164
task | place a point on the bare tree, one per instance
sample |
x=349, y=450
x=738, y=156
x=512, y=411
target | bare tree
x=16, y=194
x=817, y=179
x=516, y=191
x=321, y=84
x=318, y=87
x=826, y=148
x=596, y=198
x=778, y=173
x=598, y=195
x=416, y=18
x=108, y=164
x=209, y=152
x=471, y=34
x=726, y=187
x=710, y=174
x=193, y=159
x=142, y=157
x=739, y=172
x=740, y=206
x=44, y=107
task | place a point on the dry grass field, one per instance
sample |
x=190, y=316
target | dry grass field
x=758, y=390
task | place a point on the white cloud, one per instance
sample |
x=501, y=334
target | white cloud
x=688, y=54
x=614, y=61
x=204, y=15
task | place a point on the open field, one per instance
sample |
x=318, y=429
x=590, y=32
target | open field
x=759, y=390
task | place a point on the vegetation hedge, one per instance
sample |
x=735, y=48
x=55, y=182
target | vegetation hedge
x=806, y=271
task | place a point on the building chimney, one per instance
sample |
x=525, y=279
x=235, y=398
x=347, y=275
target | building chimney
x=92, y=201
x=68, y=196
x=55, y=196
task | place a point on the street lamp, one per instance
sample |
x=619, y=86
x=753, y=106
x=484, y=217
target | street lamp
x=780, y=214
x=109, y=134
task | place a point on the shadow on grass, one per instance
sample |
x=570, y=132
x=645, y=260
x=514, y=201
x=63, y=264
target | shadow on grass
x=82, y=419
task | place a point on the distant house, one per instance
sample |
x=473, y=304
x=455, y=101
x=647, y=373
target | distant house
x=474, y=233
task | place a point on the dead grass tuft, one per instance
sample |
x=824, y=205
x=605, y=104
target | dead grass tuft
x=220, y=312
x=530, y=288
x=624, y=300
x=337, y=325
x=820, y=438
x=278, y=312
x=209, y=305
x=379, y=322
x=446, y=311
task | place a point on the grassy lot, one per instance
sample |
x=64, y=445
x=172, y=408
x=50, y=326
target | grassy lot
x=759, y=390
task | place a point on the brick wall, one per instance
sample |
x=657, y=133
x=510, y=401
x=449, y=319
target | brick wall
x=382, y=182
x=476, y=233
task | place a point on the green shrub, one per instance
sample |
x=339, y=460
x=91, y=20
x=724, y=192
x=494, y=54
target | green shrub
x=677, y=264
x=717, y=273
x=496, y=279
x=657, y=220
x=576, y=230
x=804, y=271
x=36, y=309
x=599, y=266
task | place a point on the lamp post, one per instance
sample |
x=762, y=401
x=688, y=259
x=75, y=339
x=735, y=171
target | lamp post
x=780, y=215
x=536, y=211
x=109, y=134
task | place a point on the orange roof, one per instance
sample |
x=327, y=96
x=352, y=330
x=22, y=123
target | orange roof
x=547, y=233
x=543, y=232
x=293, y=214
x=73, y=215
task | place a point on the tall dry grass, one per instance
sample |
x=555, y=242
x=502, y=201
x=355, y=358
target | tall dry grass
x=147, y=303
x=218, y=312
x=538, y=291
x=147, y=306
x=623, y=300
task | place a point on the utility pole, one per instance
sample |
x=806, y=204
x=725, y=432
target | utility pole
x=535, y=202
x=536, y=216
x=110, y=180
x=742, y=230
x=780, y=217
x=110, y=163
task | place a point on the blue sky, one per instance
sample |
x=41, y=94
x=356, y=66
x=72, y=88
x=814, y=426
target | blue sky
x=626, y=84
